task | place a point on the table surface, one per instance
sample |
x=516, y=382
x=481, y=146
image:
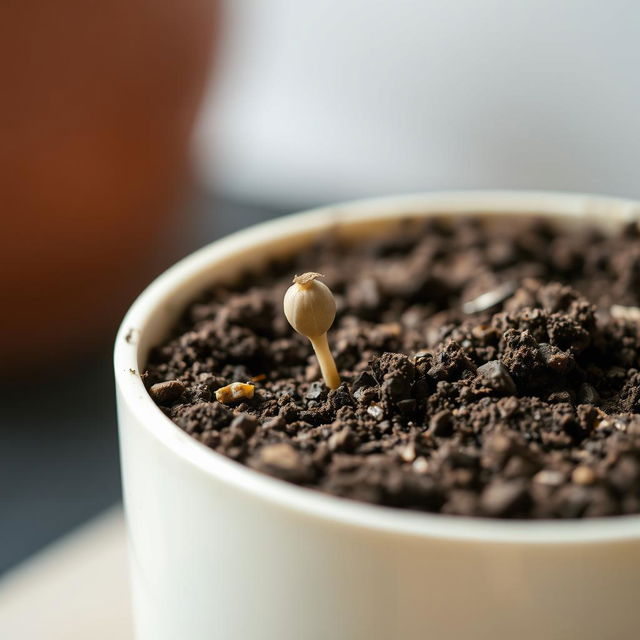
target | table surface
x=77, y=586
x=58, y=456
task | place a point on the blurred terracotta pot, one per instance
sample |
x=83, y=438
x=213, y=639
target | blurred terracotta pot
x=98, y=103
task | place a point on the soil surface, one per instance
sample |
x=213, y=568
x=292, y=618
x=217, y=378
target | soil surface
x=485, y=373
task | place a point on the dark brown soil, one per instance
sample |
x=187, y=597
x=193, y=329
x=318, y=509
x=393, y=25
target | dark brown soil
x=485, y=373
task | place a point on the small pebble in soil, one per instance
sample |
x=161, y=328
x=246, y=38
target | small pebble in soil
x=164, y=393
x=234, y=392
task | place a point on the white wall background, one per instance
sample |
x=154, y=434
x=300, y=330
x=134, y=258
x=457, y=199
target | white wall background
x=328, y=99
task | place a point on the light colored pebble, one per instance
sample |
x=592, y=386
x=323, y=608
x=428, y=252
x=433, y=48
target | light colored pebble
x=583, y=475
x=234, y=392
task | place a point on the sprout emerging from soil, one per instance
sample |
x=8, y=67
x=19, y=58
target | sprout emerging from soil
x=310, y=310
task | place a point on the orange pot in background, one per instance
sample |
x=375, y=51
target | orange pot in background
x=99, y=99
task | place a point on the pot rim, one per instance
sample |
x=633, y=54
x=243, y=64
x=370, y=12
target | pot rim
x=128, y=354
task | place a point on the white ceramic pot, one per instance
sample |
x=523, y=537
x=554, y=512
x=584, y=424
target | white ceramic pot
x=221, y=551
